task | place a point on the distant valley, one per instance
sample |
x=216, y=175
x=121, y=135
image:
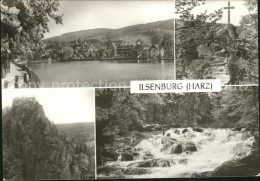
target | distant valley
x=76, y=127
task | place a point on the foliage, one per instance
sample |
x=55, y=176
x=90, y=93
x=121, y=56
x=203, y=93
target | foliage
x=193, y=30
x=118, y=111
x=157, y=38
x=247, y=43
x=237, y=108
x=202, y=29
x=67, y=53
x=23, y=24
x=33, y=147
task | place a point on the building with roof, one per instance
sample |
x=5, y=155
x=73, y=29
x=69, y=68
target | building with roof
x=156, y=51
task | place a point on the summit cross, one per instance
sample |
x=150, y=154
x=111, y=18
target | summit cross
x=228, y=8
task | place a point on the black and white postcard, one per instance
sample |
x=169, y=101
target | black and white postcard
x=129, y=89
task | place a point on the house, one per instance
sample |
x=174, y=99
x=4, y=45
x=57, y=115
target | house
x=145, y=52
x=156, y=51
x=125, y=51
x=91, y=52
x=106, y=52
x=110, y=51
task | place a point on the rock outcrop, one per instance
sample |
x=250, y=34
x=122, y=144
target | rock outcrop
x=213, y=67
x=246, y=166
x=33, y=148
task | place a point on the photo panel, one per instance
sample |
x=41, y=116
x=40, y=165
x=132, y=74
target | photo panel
x=178, y=134
x=48, y=134
x=217, y=40
x=93, y=44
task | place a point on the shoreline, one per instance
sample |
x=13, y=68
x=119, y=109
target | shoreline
x=34, y=80
x=15, y=71
x=166, y=60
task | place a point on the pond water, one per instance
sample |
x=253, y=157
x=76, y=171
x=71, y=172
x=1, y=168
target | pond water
x=99, y=74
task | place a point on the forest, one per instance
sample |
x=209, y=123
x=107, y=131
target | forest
x=120, y=115
x=230, y=108
x=35, y=148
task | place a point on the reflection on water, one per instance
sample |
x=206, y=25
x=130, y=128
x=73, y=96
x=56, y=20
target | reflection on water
x=97, y=74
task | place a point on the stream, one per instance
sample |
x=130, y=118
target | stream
x=180, y=152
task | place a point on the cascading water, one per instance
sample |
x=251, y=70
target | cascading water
x=182, y=152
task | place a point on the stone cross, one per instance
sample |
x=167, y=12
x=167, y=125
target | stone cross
x=228, y=8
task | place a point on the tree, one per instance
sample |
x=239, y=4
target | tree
x=157, y=37
x=192, y=30
x=33, y=147
x=247, y=43
x=168, y=43
x=23, y=23
x=67, y=53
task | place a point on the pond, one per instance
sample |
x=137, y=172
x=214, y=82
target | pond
x=99, y=73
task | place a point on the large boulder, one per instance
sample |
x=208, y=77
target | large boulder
x=148, y=155
x=200, y=130
x=178, y=149
x=177, y=131
x=246, y=166
x=184, y=130
x=184, y=147
x=127, y=156
x=190, y=147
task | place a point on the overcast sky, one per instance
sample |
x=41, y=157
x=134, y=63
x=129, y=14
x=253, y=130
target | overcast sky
x=235, y=14
x=86, y=14
x=60, y=105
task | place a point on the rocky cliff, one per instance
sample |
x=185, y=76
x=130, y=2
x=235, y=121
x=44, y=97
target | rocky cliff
x=33, y=148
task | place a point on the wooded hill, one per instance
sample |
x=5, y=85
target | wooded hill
x=34, y=148
x=141, y=31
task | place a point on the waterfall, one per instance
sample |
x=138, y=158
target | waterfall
x=181, y=152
